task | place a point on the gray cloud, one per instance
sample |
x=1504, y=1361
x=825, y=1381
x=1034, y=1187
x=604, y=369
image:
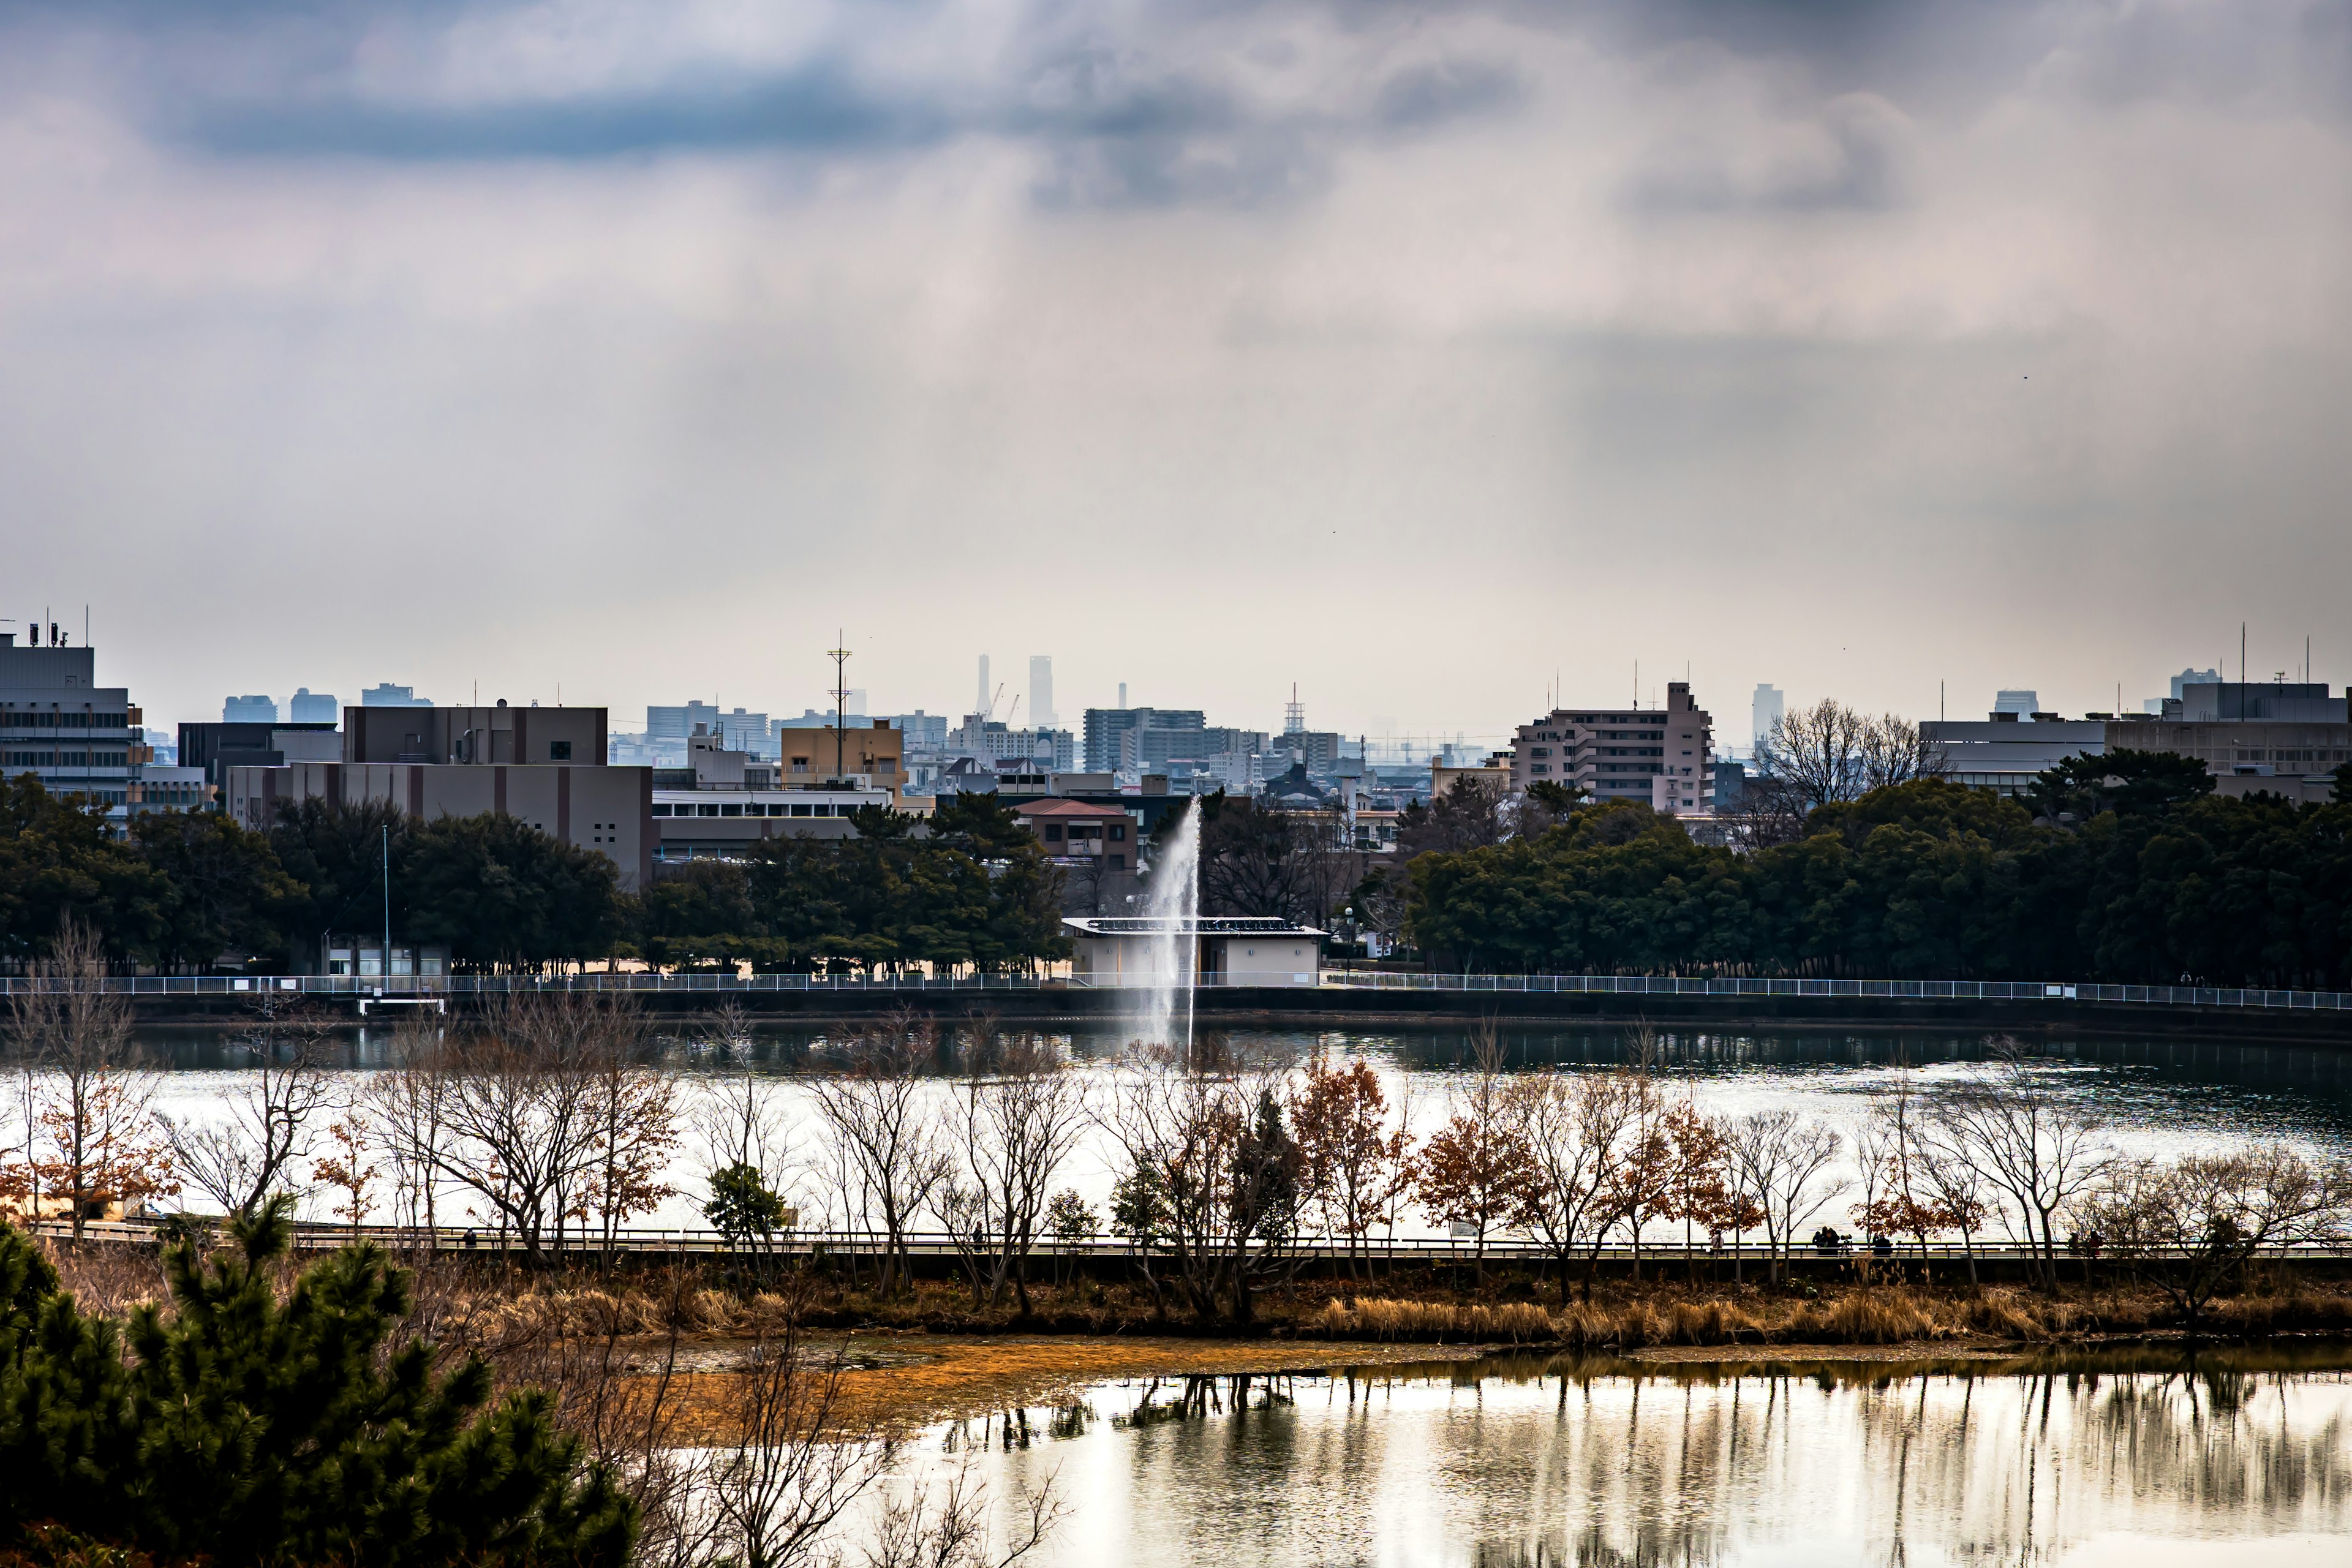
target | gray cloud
x=1902, y=341
x=1848, y=158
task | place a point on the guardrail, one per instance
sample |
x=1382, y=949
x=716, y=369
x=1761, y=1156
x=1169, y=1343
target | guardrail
x=427, y=988
x=642, y=1239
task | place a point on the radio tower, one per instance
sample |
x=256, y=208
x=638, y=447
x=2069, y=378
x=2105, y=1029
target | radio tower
x=840, y=657
x=1294, y=713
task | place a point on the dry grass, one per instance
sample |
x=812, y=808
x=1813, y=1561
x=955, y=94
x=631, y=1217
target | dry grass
x=1866, y=1315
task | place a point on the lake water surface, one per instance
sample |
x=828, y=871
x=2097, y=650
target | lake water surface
x=2157, y=1097
x=1528, y=1462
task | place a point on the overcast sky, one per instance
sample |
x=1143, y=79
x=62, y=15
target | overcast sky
x=1409, y=353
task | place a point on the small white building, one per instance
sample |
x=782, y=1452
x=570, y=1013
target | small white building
x=1225, y=949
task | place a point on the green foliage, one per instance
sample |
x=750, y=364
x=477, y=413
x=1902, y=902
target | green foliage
x=741, y=1207
x=1139, y=1206
x=2131, y=784
x=56, y=860
x=244, y=1429
x=227, y=889
x=336, y=851
x=499, y=891
x=1927, y=879
x=976, y=889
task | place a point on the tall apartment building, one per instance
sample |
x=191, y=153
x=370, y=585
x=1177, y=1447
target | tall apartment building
x=387, y=695
x=254, y=709
x=1660, y=756
x=1104, y=726
x=59, y=725
x=1770, y=704
x=1041, y=692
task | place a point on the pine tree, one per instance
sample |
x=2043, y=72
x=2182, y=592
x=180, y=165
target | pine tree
x=245, y=1430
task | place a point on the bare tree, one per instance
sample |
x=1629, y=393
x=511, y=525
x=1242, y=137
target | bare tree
x=1576, y=1127
x=1016, y=1114
x=916, y=1530
x=519, y=1101
x=2191, y=1226
x=409, y=1106
x=1207, y=1178
x=2039, y=1152
x=1785, y=1164
x=1831, y=752
x=884, y=1134
x=249, y=1151
x=94, y=1140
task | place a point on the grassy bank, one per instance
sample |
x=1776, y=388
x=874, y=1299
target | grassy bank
x=495, y=1308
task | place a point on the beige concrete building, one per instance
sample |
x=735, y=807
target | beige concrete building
x=1662, y=757
x=1493, y=774
x=608, y=810
x=870, y=756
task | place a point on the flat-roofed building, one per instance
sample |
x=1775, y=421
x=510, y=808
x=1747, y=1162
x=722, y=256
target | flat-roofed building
x=586, y=804
x=868, y=755
x=2006, y=751
x=474, y=736
x=1653, y=755
x=214, y=747
x=59, y=725
x=1237, y=949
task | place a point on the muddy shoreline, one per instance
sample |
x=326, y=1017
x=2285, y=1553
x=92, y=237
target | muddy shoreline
x=892, y=1383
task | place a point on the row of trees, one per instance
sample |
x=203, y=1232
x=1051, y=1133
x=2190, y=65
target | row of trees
x=2123, y=868
x=548, y=1119
x=972, y=889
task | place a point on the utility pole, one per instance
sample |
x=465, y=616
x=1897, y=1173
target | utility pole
x=840, y=657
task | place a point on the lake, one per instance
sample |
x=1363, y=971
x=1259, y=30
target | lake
x=2159, y=1097
x=2145, y=1461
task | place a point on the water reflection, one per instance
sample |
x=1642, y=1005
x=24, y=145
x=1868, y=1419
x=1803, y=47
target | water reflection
x=1547, y=1462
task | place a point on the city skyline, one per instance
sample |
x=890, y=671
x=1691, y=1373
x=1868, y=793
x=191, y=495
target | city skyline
x=450, y=344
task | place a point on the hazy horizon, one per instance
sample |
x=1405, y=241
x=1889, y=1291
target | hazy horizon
x=1416, y=354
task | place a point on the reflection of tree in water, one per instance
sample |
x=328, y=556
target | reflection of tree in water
x=2009, y=1469
x=1164, y=1400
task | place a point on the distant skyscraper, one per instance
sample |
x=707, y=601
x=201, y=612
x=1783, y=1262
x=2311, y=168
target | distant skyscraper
x=390, y=696
x=2188, y=677
x=2018, y=701
x=1769, y=707
x=1041, y=692
x=309, y=707
x=250, y=711
x=1122, y=693
x=982, y=706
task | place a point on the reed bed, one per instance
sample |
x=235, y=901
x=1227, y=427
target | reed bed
x=1879, y=1315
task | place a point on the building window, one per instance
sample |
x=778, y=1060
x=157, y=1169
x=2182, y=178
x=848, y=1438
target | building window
x=1119, y=832
x=661, y=808
x=1119, y=862
x=1053, y=833
x=558, y=750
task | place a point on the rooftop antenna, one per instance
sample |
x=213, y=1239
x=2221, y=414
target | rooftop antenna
x=840, y=657
x=1294, y=713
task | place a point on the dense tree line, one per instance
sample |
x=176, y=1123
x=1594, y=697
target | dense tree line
x=972, y=888
x=2121, y=868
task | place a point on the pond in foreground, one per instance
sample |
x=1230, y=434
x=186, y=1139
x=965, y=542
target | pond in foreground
x=1528, y=1462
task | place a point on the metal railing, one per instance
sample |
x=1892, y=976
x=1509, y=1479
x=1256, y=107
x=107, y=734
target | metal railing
x=1436, y=1249
x=256, y=987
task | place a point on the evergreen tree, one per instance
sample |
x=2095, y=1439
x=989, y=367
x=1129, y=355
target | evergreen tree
x=242, y=1429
